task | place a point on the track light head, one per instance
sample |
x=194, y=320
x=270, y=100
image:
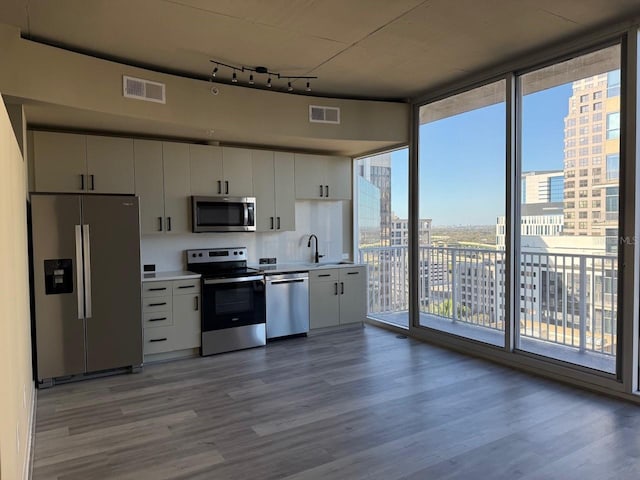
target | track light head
x=269, y=82
x=251, y=82
x=215, y=70
x=308, y=89
x=289, y=87
x=234, y=79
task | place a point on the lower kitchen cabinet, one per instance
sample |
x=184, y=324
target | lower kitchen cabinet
x=337, y=296
x=171, y=318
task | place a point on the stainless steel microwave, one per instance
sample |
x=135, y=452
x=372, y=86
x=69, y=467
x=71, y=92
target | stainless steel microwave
x=223, y=214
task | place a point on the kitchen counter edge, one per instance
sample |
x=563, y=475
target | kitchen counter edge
x=165, y=276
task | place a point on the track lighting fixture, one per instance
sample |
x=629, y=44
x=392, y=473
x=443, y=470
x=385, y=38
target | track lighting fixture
x=261, y=71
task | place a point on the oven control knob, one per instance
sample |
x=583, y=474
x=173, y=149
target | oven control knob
x=199, y=254
x=235, y=253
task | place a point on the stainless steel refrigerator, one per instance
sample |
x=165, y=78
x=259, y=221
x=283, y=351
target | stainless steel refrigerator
x=86, y=284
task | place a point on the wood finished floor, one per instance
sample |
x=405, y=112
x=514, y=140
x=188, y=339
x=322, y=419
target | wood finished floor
x=357, y=404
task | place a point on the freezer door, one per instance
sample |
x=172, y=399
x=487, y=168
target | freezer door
x=57, y=287
x=111, y=236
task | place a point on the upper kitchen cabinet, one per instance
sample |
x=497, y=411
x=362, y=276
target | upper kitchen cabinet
x=205, y=162
x=162, y=183
x=110, y=164
x=59, y=162
x=237, y=167
x=73, y=163
x=273, y=187
x=322, y=177
x=221, y=171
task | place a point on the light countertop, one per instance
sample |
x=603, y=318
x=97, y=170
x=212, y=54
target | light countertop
x=165, y=276
x=300, y=267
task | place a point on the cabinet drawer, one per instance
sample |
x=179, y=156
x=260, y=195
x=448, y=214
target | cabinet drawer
x=183, y=287
x=158, y=340
x=324, y=274
x=155, y=289
x=157, y=319
x=353, y=271
x=157, y=304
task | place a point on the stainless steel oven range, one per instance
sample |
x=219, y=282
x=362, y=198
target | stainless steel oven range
x=233, y=300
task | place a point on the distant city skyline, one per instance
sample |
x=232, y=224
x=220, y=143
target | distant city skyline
x=543, y=117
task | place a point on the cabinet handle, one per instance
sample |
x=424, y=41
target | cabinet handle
x=341, y=288
x=160, y=220
x=158, y=340
x=335, y=285
x=321, y=191
x=168, y=224
x=325, y=275
x=271, y=222
x=219, y=187
x=81, y=182
x=278, y=223
x=326, y=191
x=353, y=273
x=93, y=183
x=157, y=319
x=187, y=286
x=226, y=187
x=157, y=304
x=157, y=289
x=197, y=302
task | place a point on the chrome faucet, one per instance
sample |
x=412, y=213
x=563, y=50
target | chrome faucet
x=316, y=257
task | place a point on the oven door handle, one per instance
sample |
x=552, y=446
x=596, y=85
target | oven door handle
x=216, y=281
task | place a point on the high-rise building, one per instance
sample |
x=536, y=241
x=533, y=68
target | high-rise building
x=592, y=157
x=377, y=171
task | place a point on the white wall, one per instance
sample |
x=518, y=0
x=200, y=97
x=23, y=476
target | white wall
x=324, y=218
x=16, y=384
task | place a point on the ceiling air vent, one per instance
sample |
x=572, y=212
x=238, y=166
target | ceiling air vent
x=318, y=114
x=143, y=89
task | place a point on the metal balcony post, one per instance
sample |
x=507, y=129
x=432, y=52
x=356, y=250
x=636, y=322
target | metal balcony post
x=454, y=271
x=583, y=303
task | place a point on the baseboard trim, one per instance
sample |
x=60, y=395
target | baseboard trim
x=28, y=468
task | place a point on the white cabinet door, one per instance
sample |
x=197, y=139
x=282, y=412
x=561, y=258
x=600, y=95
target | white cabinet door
x=324, y=306
x=186, y=321
x=339, y=178
x=206, y=170
x=238, y=172
x=353, y=294
x=149, y=185
x=310, y=176
x=175, y=159
x=285, y=193
x=60, y=162
x=263, y=190
x=110, y=164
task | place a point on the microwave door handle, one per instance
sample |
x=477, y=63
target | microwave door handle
x=246, y=214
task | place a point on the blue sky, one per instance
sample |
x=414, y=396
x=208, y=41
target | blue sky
x=462, y=159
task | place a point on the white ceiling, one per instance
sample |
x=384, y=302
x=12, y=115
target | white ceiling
x=380, y=49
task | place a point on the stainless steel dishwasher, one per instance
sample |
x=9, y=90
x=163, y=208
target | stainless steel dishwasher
x=287, y=297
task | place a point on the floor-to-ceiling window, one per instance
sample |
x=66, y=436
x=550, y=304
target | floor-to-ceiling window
x=462, y=178
x=382, y=233
x=568, y=266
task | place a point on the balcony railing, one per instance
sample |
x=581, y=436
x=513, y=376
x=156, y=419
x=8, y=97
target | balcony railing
x=564, y=299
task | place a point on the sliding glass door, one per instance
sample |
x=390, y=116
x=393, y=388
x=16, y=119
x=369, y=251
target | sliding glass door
x=570, y=161
x=462, y=165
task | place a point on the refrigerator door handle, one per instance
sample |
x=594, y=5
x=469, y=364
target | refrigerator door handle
x=79, y=274
x=86, y=238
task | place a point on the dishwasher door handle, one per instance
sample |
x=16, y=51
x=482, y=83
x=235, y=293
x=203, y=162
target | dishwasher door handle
x=278, y=282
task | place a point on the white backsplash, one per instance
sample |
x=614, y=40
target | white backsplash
x=325, y=219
